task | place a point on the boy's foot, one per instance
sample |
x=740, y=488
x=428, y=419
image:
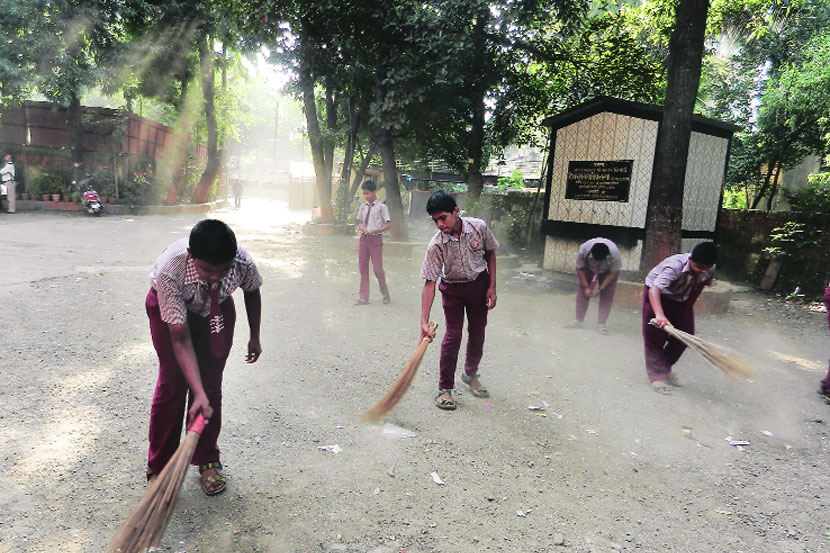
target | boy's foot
x=672, y=380
x=212, y=479
x=361, y=302
x=602, y=330
x=475, y=385
x=151, y=477
x=574, y=324
x=444, y=401
x=660, y=387
x=386, y=299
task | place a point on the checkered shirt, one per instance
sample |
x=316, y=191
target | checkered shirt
x=612, y=263
x=456, y=260
x=675, y=279
x=180, y=289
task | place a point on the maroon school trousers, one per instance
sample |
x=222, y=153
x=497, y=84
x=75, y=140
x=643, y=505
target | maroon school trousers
x=171, y=395
x=606, y=298
x=663, y=351
x=371, y=246
x=825, y=384
x=456, y=298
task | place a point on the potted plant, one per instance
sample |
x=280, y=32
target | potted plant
x=24, y=195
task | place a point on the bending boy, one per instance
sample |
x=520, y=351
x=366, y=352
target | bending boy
x=670, y=293
x=192, y=320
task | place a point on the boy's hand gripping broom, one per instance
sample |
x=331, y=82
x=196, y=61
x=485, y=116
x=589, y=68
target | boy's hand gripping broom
x=401, y=385
x=728, y=362
x=145, y=527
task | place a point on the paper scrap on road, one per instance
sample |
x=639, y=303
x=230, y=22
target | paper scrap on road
x=331, y=448
x=437, y=479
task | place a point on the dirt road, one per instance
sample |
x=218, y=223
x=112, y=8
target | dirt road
x=607, y=467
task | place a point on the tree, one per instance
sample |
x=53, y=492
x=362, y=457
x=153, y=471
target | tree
x=62, y=49
x=665, y=209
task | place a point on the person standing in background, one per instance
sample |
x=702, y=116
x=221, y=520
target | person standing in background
x=7, y=175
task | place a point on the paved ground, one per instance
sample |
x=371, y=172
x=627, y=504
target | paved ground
x=607, y=467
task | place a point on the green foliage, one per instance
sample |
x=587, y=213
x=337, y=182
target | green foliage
x=812, y=198
x=734, y=198
x=141, y=190
x=514, y=181
x=50, y=183
x=790, y=238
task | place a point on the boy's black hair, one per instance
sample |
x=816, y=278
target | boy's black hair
x=369, y=185
x=599, y=251
x=212, y=241
x=705, y=254
x=440, y=201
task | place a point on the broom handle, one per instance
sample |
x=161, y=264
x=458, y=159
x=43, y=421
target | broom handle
x=198, y=424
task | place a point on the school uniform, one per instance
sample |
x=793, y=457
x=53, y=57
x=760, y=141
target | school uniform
x=608, y=268
x=679, y=290
x=372, y=216
x=178, y=296
x=825, y=384
x=462, y=268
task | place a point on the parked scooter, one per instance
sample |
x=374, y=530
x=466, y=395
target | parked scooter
x=90, y=200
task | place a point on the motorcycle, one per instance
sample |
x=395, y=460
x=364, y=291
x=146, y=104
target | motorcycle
x=90, y=200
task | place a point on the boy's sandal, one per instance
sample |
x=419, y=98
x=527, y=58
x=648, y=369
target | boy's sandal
x=386, y=299
x=480, y=391
x=361, y=302
x=664, y=390
x=151, y=476
x=672, y=380
x=215, y=484
x=443, y=403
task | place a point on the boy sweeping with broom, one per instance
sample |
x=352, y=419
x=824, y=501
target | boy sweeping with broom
x=463, y=255
x=192, y=319
x=670, y=293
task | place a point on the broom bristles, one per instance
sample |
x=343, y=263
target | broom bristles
x=727, y=361
x=145, y=526
x=395, y=394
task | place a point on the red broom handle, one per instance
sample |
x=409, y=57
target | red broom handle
x=198, y=424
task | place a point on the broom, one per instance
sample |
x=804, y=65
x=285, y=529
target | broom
x=145, y=527
x=728, y=362
x=401, y=385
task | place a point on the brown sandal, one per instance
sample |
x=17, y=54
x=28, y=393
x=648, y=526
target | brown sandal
x=214, y=484
x=445, y=404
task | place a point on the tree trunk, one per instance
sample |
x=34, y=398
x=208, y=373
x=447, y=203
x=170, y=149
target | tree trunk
x=213, y=165
x=348, y=160
x=315, y=139
x=76, y=133
x=665, y=208
x=774, y=189
x=475, y=142
x=763, y=190
x=361, y=170
x=386, y=145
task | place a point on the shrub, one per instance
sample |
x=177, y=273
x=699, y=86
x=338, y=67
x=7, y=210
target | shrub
x=812, y=198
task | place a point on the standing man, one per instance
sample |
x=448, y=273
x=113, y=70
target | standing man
x=598, y=265
x=7, y=175
x=192, y=318
x=463, y=255
x=670, y=293
x=237, y=192
x=372, y=221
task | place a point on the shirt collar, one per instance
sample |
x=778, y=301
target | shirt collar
x=466, y=228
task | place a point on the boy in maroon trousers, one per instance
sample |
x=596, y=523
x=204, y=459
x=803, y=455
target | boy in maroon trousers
x=669, y=296
x=825, y=384
x=463, y=255
x=372, y=221
x=192, y=320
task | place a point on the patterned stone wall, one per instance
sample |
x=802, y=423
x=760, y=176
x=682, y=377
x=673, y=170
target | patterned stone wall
x=610, y=136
